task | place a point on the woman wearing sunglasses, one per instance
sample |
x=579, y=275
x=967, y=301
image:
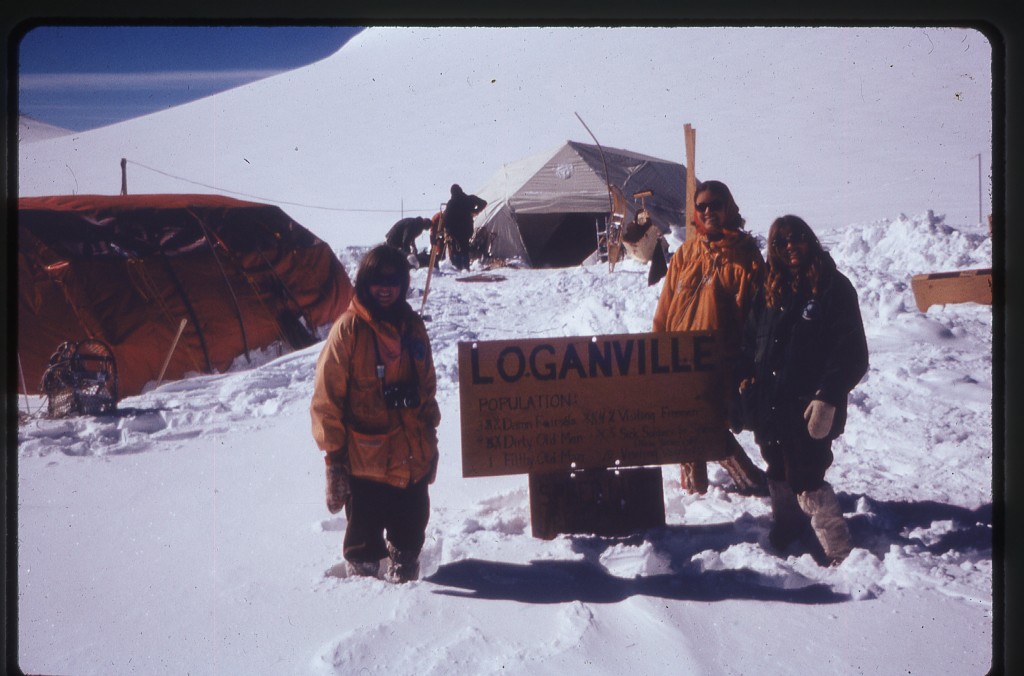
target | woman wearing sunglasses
x=804, y=351
x=374, y=411
x=710, y=283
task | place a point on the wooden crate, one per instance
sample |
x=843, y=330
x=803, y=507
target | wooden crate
x=613, y=502
x=940, y=288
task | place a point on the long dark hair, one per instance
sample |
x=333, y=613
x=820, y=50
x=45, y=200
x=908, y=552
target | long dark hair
x=378, y=260
x=779, y=277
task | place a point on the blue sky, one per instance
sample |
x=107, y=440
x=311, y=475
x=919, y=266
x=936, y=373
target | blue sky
x=83, y=77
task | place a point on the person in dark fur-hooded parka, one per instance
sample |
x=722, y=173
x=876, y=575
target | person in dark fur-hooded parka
x=804, y=350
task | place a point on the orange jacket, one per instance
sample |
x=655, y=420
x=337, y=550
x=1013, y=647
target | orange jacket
x=709, y=286
x=348, y=411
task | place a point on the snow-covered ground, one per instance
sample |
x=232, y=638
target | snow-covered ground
x=188, y=533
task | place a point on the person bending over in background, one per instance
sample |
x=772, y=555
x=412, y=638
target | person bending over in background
x=458, y=224
x=374, y=411
x=403, y=234
x=709, y=285
x=803, y=350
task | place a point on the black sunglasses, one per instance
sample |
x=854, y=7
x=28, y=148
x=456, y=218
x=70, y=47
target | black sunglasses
x=713, y=205
x=792, y=238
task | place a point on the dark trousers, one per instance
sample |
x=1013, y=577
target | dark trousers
x=798, y=460
x=458, y=253
x=377, y=510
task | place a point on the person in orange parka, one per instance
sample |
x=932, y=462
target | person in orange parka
x=710, y=283
x=374, y=412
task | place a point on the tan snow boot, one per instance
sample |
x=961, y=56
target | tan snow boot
x=828, y=523
x=694, y=477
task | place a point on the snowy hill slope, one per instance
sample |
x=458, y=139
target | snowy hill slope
x=808, y=120
x=31, y=130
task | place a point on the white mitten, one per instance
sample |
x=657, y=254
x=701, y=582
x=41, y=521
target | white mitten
x=819, y=418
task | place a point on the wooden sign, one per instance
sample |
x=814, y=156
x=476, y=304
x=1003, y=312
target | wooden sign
x=557, y=404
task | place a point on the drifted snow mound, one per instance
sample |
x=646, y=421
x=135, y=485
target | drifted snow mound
x=912, y=246
x=881, y=257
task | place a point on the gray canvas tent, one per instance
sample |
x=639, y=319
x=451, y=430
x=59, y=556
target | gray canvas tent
x=544, y=209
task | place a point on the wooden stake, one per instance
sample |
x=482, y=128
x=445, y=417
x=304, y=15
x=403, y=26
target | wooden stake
x=690, y=135
x=163, y=369
x=124, y=177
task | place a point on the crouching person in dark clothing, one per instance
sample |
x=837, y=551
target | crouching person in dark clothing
x=374, y=411
x=804, y=351
x=403, y=234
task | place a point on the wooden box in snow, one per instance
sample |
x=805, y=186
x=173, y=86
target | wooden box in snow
x=940, y=288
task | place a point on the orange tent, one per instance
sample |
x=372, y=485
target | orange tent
x=127, y=269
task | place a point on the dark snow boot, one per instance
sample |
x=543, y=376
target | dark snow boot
x=403, y=566
x=788, y=521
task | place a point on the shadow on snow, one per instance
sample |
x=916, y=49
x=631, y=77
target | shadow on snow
x=564, y=581
x=875, y=525
x=879, y=524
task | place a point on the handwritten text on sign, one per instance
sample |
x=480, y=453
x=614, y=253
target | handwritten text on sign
x=604, y=401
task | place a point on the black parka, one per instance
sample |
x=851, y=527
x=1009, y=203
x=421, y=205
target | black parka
x=458, y=215
x=805, y=348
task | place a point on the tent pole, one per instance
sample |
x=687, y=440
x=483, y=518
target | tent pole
x=611, y=204
x=227, y=282
x=188, y=306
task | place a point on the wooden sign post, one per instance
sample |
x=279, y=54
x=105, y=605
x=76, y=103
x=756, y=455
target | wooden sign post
x=613, y=502
x=690, y=135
